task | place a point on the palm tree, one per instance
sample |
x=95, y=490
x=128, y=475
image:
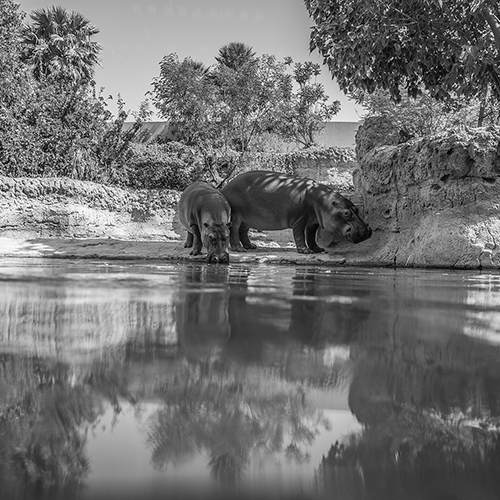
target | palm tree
x=234, y=55
x=59, y=44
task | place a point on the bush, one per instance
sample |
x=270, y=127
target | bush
x=160, y=166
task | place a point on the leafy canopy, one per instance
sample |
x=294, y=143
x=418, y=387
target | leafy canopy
x=236, y=101
x=308, y=107
x=235, y=55
x=59, y=43
x=449, y=47
x=186, y=97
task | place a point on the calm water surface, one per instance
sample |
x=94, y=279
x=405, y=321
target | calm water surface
x=132, y=380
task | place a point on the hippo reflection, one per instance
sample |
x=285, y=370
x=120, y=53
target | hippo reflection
x=202, y=317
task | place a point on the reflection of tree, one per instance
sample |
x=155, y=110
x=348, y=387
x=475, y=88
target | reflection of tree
x=417, y=455
x=45, y=412
x=230, y=416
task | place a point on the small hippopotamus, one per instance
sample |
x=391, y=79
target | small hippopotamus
x=270, y=201
x=206, y=215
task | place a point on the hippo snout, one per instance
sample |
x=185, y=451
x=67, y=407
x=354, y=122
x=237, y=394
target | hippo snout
x=218, y=258
x=357, y=235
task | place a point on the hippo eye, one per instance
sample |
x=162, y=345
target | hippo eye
x=346, y=214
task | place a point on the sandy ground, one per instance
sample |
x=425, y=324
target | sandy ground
x=111, y=249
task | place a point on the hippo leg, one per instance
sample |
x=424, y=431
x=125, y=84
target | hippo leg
x=299, y=237
x=197, y=242
x=234, y=235
x=311, y=231
x=245, y=239
x=189, y=240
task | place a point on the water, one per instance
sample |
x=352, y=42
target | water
x=132, y=380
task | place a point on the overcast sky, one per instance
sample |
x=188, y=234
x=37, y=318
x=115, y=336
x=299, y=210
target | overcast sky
x=136, y=35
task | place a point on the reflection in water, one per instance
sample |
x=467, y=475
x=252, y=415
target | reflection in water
x=230, y=416
x=238, y=367
x=202, y=317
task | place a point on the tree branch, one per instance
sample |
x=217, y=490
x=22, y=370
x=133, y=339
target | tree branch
x=494, y=24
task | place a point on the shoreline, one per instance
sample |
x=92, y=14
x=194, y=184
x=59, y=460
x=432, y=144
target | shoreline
x=173, y=251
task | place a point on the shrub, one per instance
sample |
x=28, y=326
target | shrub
x=160, y=166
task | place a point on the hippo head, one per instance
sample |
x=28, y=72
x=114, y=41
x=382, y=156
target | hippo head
x=216, y=240
x=339, y=215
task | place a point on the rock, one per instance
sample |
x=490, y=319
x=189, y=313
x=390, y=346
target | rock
x=65, y=208
x=433, y=202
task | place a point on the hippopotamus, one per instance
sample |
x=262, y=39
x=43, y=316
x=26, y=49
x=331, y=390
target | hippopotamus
x=206, y=215
x=270, y=201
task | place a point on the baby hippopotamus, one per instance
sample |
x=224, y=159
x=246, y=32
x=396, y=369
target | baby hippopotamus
x=206, y=215
x=270, y=201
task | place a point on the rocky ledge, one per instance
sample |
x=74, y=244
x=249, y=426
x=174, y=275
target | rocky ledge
x=431, y=202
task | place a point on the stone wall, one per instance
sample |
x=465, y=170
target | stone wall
x=431, y=202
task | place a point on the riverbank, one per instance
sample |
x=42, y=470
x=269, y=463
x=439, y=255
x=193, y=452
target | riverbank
x=111, y=249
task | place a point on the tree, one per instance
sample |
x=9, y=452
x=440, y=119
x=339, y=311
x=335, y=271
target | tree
x=10, y=24
x=235, y=55
x=233, y=104
x=449, y=47
x=16, y=91
x=185, y=97
x=222, y=107
x=249, y=98
x=59, y=44
x=308, y=106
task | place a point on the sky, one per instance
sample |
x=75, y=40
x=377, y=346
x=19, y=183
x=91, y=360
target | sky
x=136, y=35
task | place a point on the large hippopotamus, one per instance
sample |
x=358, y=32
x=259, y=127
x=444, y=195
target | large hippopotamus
x=270, y=201
x=206, y=215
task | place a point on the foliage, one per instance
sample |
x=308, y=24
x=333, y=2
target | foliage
x=58, y=44
x=62, y=127
x=235, y=55
x=449, y=47
x=186, y=97
x=158, y=166
x=243, y=97
x=308, y=106
x=221, y=108
x=10, y=25
x=422, y=116
x=249, y=98
x=114, y=147
x=15, y=89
